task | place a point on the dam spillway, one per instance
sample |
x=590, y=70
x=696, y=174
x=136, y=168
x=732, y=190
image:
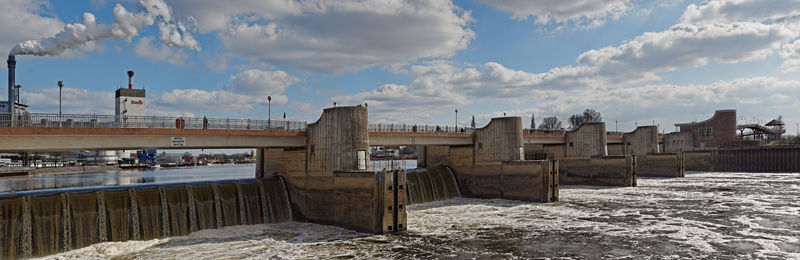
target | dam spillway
x=42, y=223
x=431, y=184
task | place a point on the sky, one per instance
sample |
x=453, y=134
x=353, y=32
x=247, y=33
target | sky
x=414, y=61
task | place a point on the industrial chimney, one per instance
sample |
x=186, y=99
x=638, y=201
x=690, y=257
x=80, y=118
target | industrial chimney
x=12, y=64
x=130, y=79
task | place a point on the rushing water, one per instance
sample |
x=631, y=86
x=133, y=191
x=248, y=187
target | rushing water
x=128, y=177
x=716, y=215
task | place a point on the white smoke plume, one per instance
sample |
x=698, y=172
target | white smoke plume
x=126, y=26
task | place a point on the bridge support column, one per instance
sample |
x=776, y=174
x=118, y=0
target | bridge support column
x=330, y=181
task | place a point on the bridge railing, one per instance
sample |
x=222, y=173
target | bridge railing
x=558, y=132
x=111, y=121
x=409, y=128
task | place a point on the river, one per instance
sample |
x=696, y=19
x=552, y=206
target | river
x=704, y=215
x=128, y=177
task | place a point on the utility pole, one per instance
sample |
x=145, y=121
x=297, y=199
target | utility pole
x=60, y=86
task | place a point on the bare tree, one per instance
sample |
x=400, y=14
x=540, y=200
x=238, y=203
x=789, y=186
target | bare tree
x=588, y=116
x=550, y=123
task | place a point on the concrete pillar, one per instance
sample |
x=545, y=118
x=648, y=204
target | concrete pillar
x=338, y=141
x=501, y=140
x=330, y=181
x=641, y=141
x=586, y=141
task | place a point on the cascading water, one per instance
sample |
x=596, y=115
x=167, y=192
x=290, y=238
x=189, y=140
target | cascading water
x=42, y=223
x=431, y=184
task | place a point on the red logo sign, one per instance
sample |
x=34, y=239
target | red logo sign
x=137, y=102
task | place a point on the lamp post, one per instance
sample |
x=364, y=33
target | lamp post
x=269, y=112
x=60, y=86
x=456, y=119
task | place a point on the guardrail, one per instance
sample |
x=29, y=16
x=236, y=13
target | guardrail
x=406, y=128
x=110, y=121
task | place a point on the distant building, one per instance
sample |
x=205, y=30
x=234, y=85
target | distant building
x=129, y=107
x=21, y=110
x=711, y=133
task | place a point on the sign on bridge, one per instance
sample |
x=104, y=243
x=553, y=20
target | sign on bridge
x=178, y=141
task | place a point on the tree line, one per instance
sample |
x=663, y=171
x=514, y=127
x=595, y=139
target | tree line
x=575, y=121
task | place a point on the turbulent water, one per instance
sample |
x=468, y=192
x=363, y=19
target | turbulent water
x=717, y=215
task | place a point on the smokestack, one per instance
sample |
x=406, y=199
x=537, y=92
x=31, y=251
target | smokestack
x=12, y=64
x=130, y=79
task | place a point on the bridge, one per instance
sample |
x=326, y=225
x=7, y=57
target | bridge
x=47, y=132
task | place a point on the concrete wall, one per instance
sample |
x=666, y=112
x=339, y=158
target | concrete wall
x=641, y=141
x=601, y=170
x=588, y=140
x=500, y=140
x=678, y=142
x=432, y=155
x=699, y=160
x=758, y=159
x=616, y=149
x=519, y=180
x=660, y=165
x=722, y=125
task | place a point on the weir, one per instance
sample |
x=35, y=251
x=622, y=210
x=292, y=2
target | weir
x=431, y=184
x=41, y=223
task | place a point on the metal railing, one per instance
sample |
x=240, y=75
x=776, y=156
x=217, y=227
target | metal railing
x=110, y=121
x=558, y=132
x=407, y=128
x=543, y=131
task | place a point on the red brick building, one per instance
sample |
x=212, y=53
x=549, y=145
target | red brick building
x=719, y=129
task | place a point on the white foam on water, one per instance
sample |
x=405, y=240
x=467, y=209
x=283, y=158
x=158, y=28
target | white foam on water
x=716, y=215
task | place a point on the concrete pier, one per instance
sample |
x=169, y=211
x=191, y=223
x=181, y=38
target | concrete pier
x=650, y=161
x=495, y=167
x=614, y=170
x=586, y=160
x=330, y=181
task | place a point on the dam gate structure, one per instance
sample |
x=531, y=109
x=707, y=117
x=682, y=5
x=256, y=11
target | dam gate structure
x=40, y=223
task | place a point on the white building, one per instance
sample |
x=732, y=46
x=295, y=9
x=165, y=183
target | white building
x=130, y=109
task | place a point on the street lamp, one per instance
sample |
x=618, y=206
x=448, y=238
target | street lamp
x=60, y=86
x=269, y=112
x=456, y=119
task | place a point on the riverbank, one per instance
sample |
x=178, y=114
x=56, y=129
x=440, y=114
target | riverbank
x=74, y=170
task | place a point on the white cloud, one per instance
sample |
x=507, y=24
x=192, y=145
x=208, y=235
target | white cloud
x=73, y=101
x=261, y=83
x=245, y=91
x=791, y=53
x=669, y=104
x=576, y=13
x=728, y=11
x=684, y=46
x=23, y=20
x=203, y=100
x=126, y=26
x=145, y=49
x=334, y=36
